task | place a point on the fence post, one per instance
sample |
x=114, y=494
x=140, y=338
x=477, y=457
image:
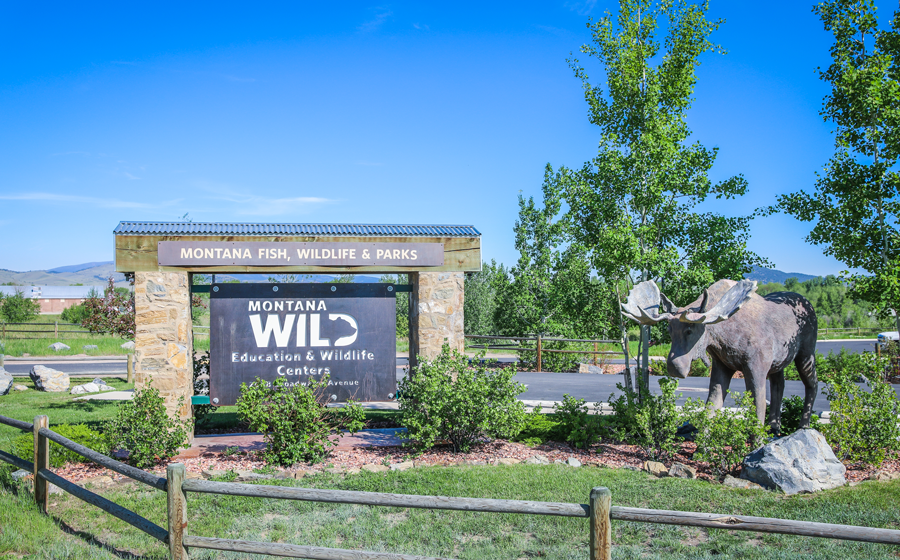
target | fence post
x=130, y=368
x=41, y=461
x=55, y=329
x=539, y=353
x=177, y=505
x=595, y=353
x=601, y=532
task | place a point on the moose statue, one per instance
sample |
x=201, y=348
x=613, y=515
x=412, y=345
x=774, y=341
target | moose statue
x=741, y=331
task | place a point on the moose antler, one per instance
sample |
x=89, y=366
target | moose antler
x=644, y=302
x=733, y=299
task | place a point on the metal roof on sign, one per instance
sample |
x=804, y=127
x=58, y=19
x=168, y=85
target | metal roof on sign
x=330, y=230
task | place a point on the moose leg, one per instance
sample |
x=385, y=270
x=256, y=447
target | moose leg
x=776, y=385
x=719, y=381
x=806, y=367
x=756, y=384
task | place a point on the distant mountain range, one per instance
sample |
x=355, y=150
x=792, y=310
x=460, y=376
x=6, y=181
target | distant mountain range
x=768, y=275
x=96, y=273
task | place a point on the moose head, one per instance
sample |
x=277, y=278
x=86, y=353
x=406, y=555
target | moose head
x=687, y=325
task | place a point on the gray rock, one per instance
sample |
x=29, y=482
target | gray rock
x=372, y=467
x=245, y=476
x=21, y=474
x=800, y=462
x=590, y=368
x=128, y=345
x=6, y=381
x=89, y=347
x=573, y=462
x=656, y=468
x=537, y=460
x=740, y=483
x=91, y=388
x=19, y=387
x=405, y=465
x=50, y=380
x=57, y=346
x=680, y=470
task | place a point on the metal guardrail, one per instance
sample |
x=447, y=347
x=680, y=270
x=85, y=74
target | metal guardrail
x=599, y=509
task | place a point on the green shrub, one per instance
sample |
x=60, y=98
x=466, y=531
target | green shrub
x=864, y=425
x=699, y=369
x=724, y=437
x=792, y=414
x=201, y=387
x=74, y=314
x=142, y=427
x=538, y=428
x=658, y=367
x=19, y=309
x=576, y=424
x=449, y=399
x=650, y=422
x=59, y=455
x=294, y=420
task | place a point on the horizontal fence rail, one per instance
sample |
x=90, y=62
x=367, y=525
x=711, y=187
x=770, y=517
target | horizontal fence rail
x=539, y=348
x=24, y=426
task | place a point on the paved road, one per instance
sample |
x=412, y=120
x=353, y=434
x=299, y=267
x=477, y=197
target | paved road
x=86, y=368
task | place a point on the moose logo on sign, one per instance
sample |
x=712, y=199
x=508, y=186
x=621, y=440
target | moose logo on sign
x=308, y=331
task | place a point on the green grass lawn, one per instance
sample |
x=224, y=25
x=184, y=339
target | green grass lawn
x=75, y=530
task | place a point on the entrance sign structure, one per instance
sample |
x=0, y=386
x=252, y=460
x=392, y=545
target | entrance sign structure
x=163, y=333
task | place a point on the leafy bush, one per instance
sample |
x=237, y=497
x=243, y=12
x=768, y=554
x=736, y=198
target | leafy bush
x=724, y=437
x=142, y=427
x=294, y=420
x=19, y=309
x=113, y=313
x=538, y=428
x=59, y=455
x=447, y=399
x=576, y=425
x=792, y=414
x=864, y=425
x=74, y=314
x=650, y=421
x=658, y=367
x=699, y=369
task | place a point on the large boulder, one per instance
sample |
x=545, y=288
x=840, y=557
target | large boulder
x=50, y=380
x=6, y=381
x=57, y=346
x=800, y=462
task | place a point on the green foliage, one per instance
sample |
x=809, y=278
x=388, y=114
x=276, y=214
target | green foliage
x=19, y=309
x=576, y=424
x=650, y=421
x=634, y=207
x=538, y=428
x=698, y=369
x=792, y=415
x=23, y=445
x=74, y=314
x=835, y=304
x=449, y=399
x=864, y=425
x=724, y=437
x=294, y=419
x=482, y=290
x=201, y=387
x=143, y=428
x=856, y=201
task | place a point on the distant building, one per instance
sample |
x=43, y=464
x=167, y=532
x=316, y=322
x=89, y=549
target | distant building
x=53, y=299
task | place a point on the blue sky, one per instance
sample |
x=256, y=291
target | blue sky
x=356, y=112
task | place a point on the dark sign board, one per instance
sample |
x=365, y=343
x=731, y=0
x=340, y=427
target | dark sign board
x=290, y=253
x=302, y=332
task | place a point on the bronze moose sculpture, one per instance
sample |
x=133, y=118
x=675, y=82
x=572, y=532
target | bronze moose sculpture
x=741, y=331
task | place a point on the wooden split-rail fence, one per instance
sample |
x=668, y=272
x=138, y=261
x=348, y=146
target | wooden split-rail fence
x=483, y=342
x=599, y=509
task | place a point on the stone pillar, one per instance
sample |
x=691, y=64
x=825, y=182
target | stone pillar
x=163, y=339
x=435, y=313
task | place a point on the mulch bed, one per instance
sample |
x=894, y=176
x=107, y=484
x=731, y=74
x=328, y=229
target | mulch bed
x=607, y=454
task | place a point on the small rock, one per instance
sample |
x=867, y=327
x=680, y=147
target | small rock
x=680, y=470
x=89, y=347
x=353, y=470
x=91, y=388
x=655, y=468
x=405, y=465
x=298, y=474
x=50, y=380
x=19, y=387
x=372, y=467
x=21, y=474
x=509, y=461
x=537, y=460
x=589, y=368
x=284, y=474
x=58, y=346
x=213, y=473
x=128, y=345
x=98, y=482
x=246, y=476
x=191, y=475
x=883, y=476
x=740, y=483
x=6, y=381
x=334, y=470
x=54, y=489
x=573, y=462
